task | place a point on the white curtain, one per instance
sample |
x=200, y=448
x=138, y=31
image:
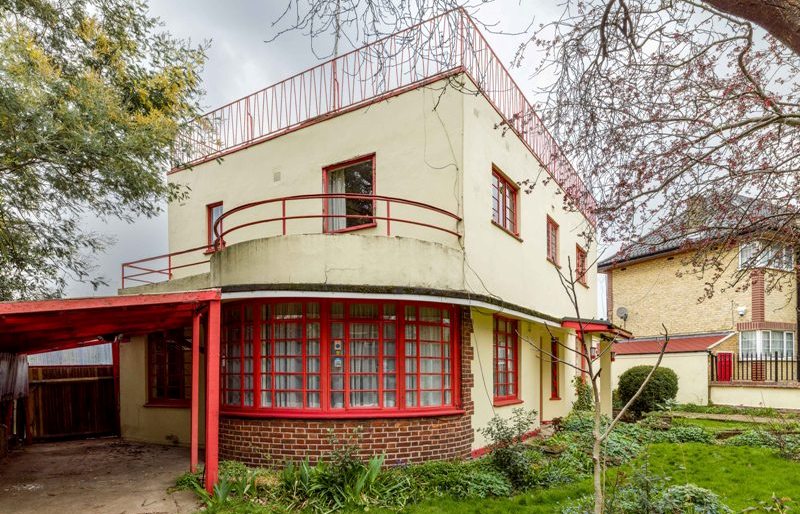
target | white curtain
x=337, y=206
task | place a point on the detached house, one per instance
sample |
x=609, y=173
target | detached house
x=724, y=344
x=375, y=271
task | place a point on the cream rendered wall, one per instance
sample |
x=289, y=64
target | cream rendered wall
x=138, y=422
x=418, y=156
x=497, y=263
x=534, y=374
x=691, y=368
x=761, y=396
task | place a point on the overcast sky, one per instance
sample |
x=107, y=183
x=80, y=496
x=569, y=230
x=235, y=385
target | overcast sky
x=241, y=62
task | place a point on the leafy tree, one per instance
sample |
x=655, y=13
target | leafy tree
x=92, y=93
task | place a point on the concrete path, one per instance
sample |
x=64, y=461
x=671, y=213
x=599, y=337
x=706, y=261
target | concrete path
x=106, y=476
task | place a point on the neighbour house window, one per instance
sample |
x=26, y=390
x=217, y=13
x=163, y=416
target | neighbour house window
x=169, y=365
x=356, y=177
x=555, y=351
x=761, y=254
x=766, y=343
x=506, y=360
x=580, y=265
x=333, y=357
x=552, y=240
x=504, y=202
x=213, y=213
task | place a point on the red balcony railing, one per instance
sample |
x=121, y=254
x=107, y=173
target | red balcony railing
x=280, y=213
x=445, y=45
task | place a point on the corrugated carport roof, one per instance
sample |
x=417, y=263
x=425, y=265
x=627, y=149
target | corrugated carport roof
x=46, y=325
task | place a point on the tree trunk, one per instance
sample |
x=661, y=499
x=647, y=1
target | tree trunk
x=597, y=431
x=781, y=18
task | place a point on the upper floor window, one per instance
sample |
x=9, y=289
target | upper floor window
x=169, y=365
x=213, y=213
x=761, y=254
x=552, y=240
x=506, y=360
x=333, y=358
x=504, y=202
x=766, y=343
x=353, y=183
x=580, y=264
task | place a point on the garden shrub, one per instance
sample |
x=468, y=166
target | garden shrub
x=690, y=498
x=682, y=434
x=583, y=395
x=457, y=479
x=508, y=454
x=662, y=387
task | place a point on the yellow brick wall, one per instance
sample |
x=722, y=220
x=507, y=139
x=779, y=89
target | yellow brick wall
x=667, y=290
x=780, y=299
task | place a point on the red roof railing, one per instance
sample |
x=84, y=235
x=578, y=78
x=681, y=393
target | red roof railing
x=445, y=45
x=282, y=210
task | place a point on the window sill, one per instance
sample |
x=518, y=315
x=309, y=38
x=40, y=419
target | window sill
x=351, y=414
x=554, y=263
x=504, y=229
x=506, y=401
x=555, y=398
x=167, y=404
x=584, y=284
x=352, y=229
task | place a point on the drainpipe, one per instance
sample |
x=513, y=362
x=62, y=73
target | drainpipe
x=797, y=313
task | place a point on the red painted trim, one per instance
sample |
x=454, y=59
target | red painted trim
x=106, y=302
x=515, y=236
x=480, y=452
x=352, y=414
x=194, y=427
x=115, y=364
x=509, y=401
x=326, y=190
x=156, y=404
x=212, y=395
x=555, y=373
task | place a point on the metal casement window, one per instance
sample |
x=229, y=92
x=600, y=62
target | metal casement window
x=169, y=365
x=506, y=359
x=504, y=202
x=554, y=373
x=213, y=213
x=339, y=358
x=580, y=264
x=552, y=240
x=353, y=177
x=755, y=344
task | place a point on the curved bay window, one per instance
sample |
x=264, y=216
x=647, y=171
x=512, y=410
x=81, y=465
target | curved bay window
x=338, y=358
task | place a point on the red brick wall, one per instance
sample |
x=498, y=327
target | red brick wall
x=272, y=442
x=757, y=295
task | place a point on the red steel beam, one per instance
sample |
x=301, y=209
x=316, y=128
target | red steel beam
x=212, y=394
x=108, y=302
x=195, y=421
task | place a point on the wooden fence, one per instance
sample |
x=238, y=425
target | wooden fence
x=71, y=401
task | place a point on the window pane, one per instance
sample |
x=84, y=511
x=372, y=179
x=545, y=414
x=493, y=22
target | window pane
x=355, y=179
x=747, y=344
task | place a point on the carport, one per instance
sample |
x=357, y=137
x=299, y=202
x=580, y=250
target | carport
x=48, y=325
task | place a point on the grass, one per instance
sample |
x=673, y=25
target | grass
x=714, y=425
x=765, y=412
x=741, y=476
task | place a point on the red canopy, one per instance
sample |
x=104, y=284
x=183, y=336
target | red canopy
x=47, y=325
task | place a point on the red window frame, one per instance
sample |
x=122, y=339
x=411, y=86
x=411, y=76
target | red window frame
x=580, y=265
x=552, y=241
x=504, y=194
x=326, y=189
x=505, y=352
x=163, y=374
x=209, y=224
x=555, y=359
x=449, y=370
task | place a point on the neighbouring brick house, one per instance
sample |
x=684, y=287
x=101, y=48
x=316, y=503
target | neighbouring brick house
x=355, y=260
x=748, y=325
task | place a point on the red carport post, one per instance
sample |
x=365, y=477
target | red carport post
x=212, y=394
x=195, y=430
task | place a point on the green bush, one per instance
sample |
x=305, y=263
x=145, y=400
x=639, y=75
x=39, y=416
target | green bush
x=457, y=479
x=662, y=387
x=583, y=395
x=690, y=498
x=682, y=434
x=508, y=454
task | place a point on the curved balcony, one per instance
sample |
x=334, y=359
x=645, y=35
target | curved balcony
x=259, y=235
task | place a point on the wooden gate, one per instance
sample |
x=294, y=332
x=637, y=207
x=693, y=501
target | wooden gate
x=71, y=402
x=724, y=370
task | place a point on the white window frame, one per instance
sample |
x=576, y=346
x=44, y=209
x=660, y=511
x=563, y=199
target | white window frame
x=787, y=340
x=777, y=256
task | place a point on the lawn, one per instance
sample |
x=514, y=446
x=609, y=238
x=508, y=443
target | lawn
x=741, y=476
x=714, y=425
